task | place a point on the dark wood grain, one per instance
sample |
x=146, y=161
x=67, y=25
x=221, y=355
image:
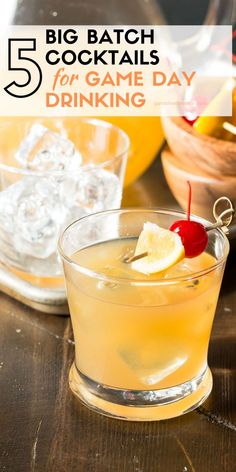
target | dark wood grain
x=44, y=428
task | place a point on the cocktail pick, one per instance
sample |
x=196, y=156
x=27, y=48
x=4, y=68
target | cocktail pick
x=128, y=260
x=229, y=127
x=223, y=220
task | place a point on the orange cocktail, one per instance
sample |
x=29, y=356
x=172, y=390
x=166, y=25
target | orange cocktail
x=141, y=340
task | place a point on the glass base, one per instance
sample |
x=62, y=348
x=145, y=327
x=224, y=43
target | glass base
x=141, y=405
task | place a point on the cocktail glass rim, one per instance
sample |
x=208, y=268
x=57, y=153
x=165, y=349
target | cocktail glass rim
x=95, y=121
x=140, y=281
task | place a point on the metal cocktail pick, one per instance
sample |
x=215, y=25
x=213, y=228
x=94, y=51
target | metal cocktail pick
x=223, y=220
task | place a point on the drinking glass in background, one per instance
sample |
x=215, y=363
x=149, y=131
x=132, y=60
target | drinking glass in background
x=141, y=342
x=54, y=171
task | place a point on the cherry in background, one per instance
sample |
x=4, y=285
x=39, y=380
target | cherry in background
x=190, y=115
x=193, y=234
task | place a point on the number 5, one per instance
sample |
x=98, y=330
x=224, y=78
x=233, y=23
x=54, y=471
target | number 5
x=17, y=61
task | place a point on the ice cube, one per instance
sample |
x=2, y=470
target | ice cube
x=178, y=270
x=28, y=144
x=6, y=225
x=8, y=204
x=161, y=373
x=154, y=360
x=45, y=150
x=33, y=216
x=97, y=189
x=90, y=190
x=74, y=213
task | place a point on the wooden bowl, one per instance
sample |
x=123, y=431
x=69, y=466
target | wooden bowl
x=205, y=189
x=197, y=152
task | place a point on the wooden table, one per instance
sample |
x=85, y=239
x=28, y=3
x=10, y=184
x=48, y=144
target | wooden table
x=45, y=429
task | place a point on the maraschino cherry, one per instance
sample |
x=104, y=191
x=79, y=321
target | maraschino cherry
x=193, y=234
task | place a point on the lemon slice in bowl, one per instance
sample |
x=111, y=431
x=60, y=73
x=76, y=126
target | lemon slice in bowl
x=164, y=249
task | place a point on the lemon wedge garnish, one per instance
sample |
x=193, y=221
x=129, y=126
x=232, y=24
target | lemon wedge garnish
x=164, y=249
